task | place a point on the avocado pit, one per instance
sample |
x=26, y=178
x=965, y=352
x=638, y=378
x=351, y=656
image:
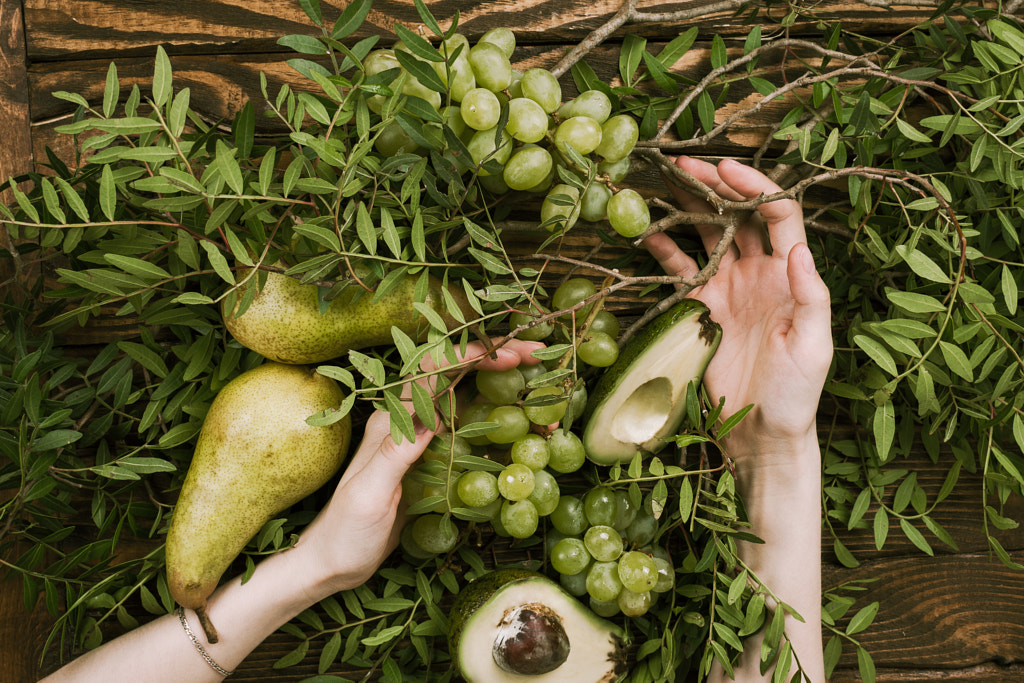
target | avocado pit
x=530, y=640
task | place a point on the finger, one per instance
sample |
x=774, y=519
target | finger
x=379, y=461
x=707, y=174
x=673, y=260
x=512, y=354
x=783, y=217
x=811, y=331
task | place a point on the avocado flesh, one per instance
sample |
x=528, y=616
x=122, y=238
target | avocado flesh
x=484, y=609
x=640, y=400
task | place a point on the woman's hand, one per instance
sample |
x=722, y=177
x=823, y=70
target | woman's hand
x=360, y=526
x=772, y=305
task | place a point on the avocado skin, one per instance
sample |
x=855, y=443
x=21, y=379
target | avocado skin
x=480, y=591
x=711, y=333
x=475, y=595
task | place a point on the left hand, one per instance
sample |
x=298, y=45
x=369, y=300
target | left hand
x=359, y=526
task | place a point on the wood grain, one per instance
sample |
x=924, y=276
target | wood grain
x=955, y=612
x=16, y=150
x=62, y=29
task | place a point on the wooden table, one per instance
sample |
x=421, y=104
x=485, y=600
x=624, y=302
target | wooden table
x=957, y=615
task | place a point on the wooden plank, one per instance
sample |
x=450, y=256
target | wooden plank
x=954, y=612
x=16, y=152
x=59, y=29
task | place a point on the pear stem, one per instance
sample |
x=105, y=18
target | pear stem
x=208, y=627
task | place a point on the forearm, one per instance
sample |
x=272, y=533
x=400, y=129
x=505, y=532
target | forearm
x=782, y=494
x=244, y=616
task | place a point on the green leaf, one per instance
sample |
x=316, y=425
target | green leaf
x=313, y=11
x=418, y=45
x=1008, y=34
x=916, y=537
x=58, y=438
x=330, y=652
x=865, y=665
x=422, y=71
x=218, y=261
x=293, y=657
x=730, y=422
x=303, y=44
x=111, y=91
x=880, y=527
x=1009, y=287
x=862, y=619
x=911, y=133
x=630, y=56
x=877, y=353
x=161, y=77
x=677, y=47
x=843, y=554
x=108, y=193
x=178, y=114
x=957, y=360
x=52, y=201
x=914, y=302
x=351, y=19
x=73, y=200
x=884, y=428
x=706, y=111
x=922, y=265
x=428, y=19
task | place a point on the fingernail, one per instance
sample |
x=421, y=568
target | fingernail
x=807, y=258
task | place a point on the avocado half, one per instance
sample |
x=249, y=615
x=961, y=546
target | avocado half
x=510, y=625
x=640, y=399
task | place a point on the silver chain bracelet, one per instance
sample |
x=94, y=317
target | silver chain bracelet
x=180, y=611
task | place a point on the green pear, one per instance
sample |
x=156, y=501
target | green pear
x=284, y=322
x=255, y=456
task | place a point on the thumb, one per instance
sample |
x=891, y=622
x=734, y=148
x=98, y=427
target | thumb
x=812, y=312
x=383, y=461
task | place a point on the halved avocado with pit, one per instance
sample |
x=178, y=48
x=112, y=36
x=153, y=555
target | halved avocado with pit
x=640, y=400
x=512, y=625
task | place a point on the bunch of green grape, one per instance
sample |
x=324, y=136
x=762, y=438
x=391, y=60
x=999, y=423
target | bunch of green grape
x=518, y=133
x=601, y=547
x=500, y=467
x=596, y=346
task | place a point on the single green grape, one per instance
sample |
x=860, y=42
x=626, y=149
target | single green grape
x=593, y=104
x=477, y=488
x=531, y=450
x=604, y=608
x=513, y=424
x=603, y=542
x=546, y=413
x=634, y=604
x=495, y=184
x=473, y=414
x=615, y=170
x=526, y=167
x=628, y=213
x=638, y=571
x=603, y=581
x=457, y=74
x=501, y=387
x=502, y=37
x=594, y=205
x=545, y=493
x=515, y=88
x=619, y=135
x=606, y=322
x=538, y=332
x=571, y=292
x=568, y=516
x=643, y=529
x=541, y=86
x=600, y=506
x=445, y=449
x=575, y=584
x=414, y=88
x=410, y=546
x=491, y=66
x=519, y=518
x=583, y=134
x=625, y=511
x=527, y=120
x=567, y=452
x=531, y=372
x=666, y=576
x=480, y=109
x=516, y=482
x=393, y=140
x=560, y=208
x=598, y=350
x=569, y=556
x=482, y=147
x=434, y=533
